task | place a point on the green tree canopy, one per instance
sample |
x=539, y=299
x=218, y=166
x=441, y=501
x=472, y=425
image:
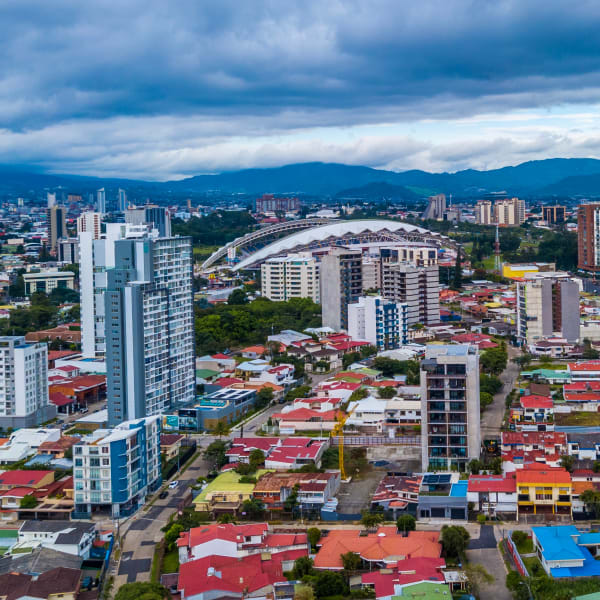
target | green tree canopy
x=406, y=522
x=142, y=589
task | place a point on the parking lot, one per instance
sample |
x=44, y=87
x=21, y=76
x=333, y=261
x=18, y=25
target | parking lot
x=354, y=497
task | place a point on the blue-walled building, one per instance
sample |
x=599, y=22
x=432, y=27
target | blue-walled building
x=114, y=469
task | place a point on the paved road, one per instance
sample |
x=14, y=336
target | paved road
x=483, y=551
x=491, y=420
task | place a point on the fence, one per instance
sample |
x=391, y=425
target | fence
x=512, y=549
x=369, y=440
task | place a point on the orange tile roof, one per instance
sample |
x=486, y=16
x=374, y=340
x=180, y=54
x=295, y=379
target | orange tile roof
x=540, y=473
x=384, y=546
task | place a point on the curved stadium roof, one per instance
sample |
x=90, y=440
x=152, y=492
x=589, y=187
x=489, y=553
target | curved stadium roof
x=333, y=230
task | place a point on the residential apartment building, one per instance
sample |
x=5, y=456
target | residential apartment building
x=418, y=287
x=23, y=383
x=68, y=251
x=291, y=276
x=268, y=203
x=122, y=197
x=341, y=285
x=554, y=215
x=96, y=257
x=435, y=208
x=450, y=431
x=371, y=274
x=509, y=212
x=101, y=201
x=57, y=224
x=588, y=236
x=381, y=322
x=547, y=306
x=149, y=327
x=92, y=222
x=114, y=469
x=484, y=212
x=157, y=217
x=414, y=254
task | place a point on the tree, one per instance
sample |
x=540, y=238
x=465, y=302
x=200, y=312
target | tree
x=264, y=397
x=591, y=499
x=253, y=508
x=330, y=583
x=28, y=501
x=485, y=399
x=302, y=566
x=226, y=518
x=475, y=466
x=495, y=465
x=142, y=590
x=292, y=500
x=524, y=360
x=477, y=576
x=351, y=561
x=387, y=392
x=406, y=523
x=256, y=458
x=237, y=297
x=172, y=535
x=302, y=391
x=493, y=360
x=349, y=358
x=489, y=383
x=314, y=535
x=215, y=454
x=221, y=429
x=457, y=279
x=567, y=462
x=366, y=351
x=519, y=537
x=304, y=592
x=516, y=584
x=370, y=519
x=454, y=540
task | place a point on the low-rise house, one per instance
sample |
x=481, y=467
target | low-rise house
x=282, y=375
x=378, y=550
x=170, y=444
x=313, y=489
x=294, y=452
x=521, y=448
x=74, y=537
x=305, y=419
x=564, y=551
x=493, y=494
x=25, y=442
x=236, y=541
x=543, y=490
x=254, y=576
x=68, y=332
x=584, y=445
x=533, y=413
x=59, y=447
x=60, y=583
x=588, y=370
x=442, y=496
x=388, y=583
x=20, y=478
x=242, y=447
x=397, y=494
x=554, y=348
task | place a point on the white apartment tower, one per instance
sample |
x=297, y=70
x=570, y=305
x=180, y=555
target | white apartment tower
x=484, y=212
x=291, y=276
x=92, y=222
x=101, y=201
x=548, y=306
x=510, y=212
x=418, y=287
x=450, y=419
x=149, y=327
x=383, y=323
x=23, y=383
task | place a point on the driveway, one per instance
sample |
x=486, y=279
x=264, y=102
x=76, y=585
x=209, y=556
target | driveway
x=486, y=539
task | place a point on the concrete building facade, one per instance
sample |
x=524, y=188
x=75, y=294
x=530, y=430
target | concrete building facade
x=341, y=284
x=588, y=236
x=380, y=322
x=484, y=212
x=149, y=327
x=291, y=276
x=548, y=306
x=450, y=417
x=510, y=212
x=23, y=383
x=57, y=224
x=90, y=222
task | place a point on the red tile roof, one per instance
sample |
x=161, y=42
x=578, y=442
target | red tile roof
x=535, y=473
x=22, y=477
x=492, y=483
x=59, y=399
x=547, y=438
x=535, y=401
x=589, y=365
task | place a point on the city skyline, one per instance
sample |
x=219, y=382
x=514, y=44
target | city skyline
x=154, y=93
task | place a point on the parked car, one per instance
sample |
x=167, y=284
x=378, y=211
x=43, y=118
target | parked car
x=163, y=494
x=173, y=484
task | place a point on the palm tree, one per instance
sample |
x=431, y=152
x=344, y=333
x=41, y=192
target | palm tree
x=221, y=429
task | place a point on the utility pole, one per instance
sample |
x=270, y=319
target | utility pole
x=497, y=251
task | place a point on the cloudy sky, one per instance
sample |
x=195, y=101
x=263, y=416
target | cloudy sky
x=159, y=90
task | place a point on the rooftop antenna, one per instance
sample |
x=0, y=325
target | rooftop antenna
x=497, y=251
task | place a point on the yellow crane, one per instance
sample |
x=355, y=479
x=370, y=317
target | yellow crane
x=338, y=431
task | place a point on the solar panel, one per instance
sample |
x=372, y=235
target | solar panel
x=445, y=478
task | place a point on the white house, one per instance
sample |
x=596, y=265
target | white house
x=74, y=538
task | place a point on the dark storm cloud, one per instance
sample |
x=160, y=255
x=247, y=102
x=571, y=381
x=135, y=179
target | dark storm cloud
x=175, y=77
x=62, y=60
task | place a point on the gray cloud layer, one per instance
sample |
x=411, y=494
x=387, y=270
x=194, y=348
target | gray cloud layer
x=168, y=88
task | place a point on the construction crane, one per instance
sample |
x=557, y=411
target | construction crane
x=338, y=431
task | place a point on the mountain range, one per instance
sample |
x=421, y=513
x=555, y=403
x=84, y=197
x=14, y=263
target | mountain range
x=542, y=178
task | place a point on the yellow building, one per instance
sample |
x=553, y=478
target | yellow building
x=518, y=271
x=543, y=490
